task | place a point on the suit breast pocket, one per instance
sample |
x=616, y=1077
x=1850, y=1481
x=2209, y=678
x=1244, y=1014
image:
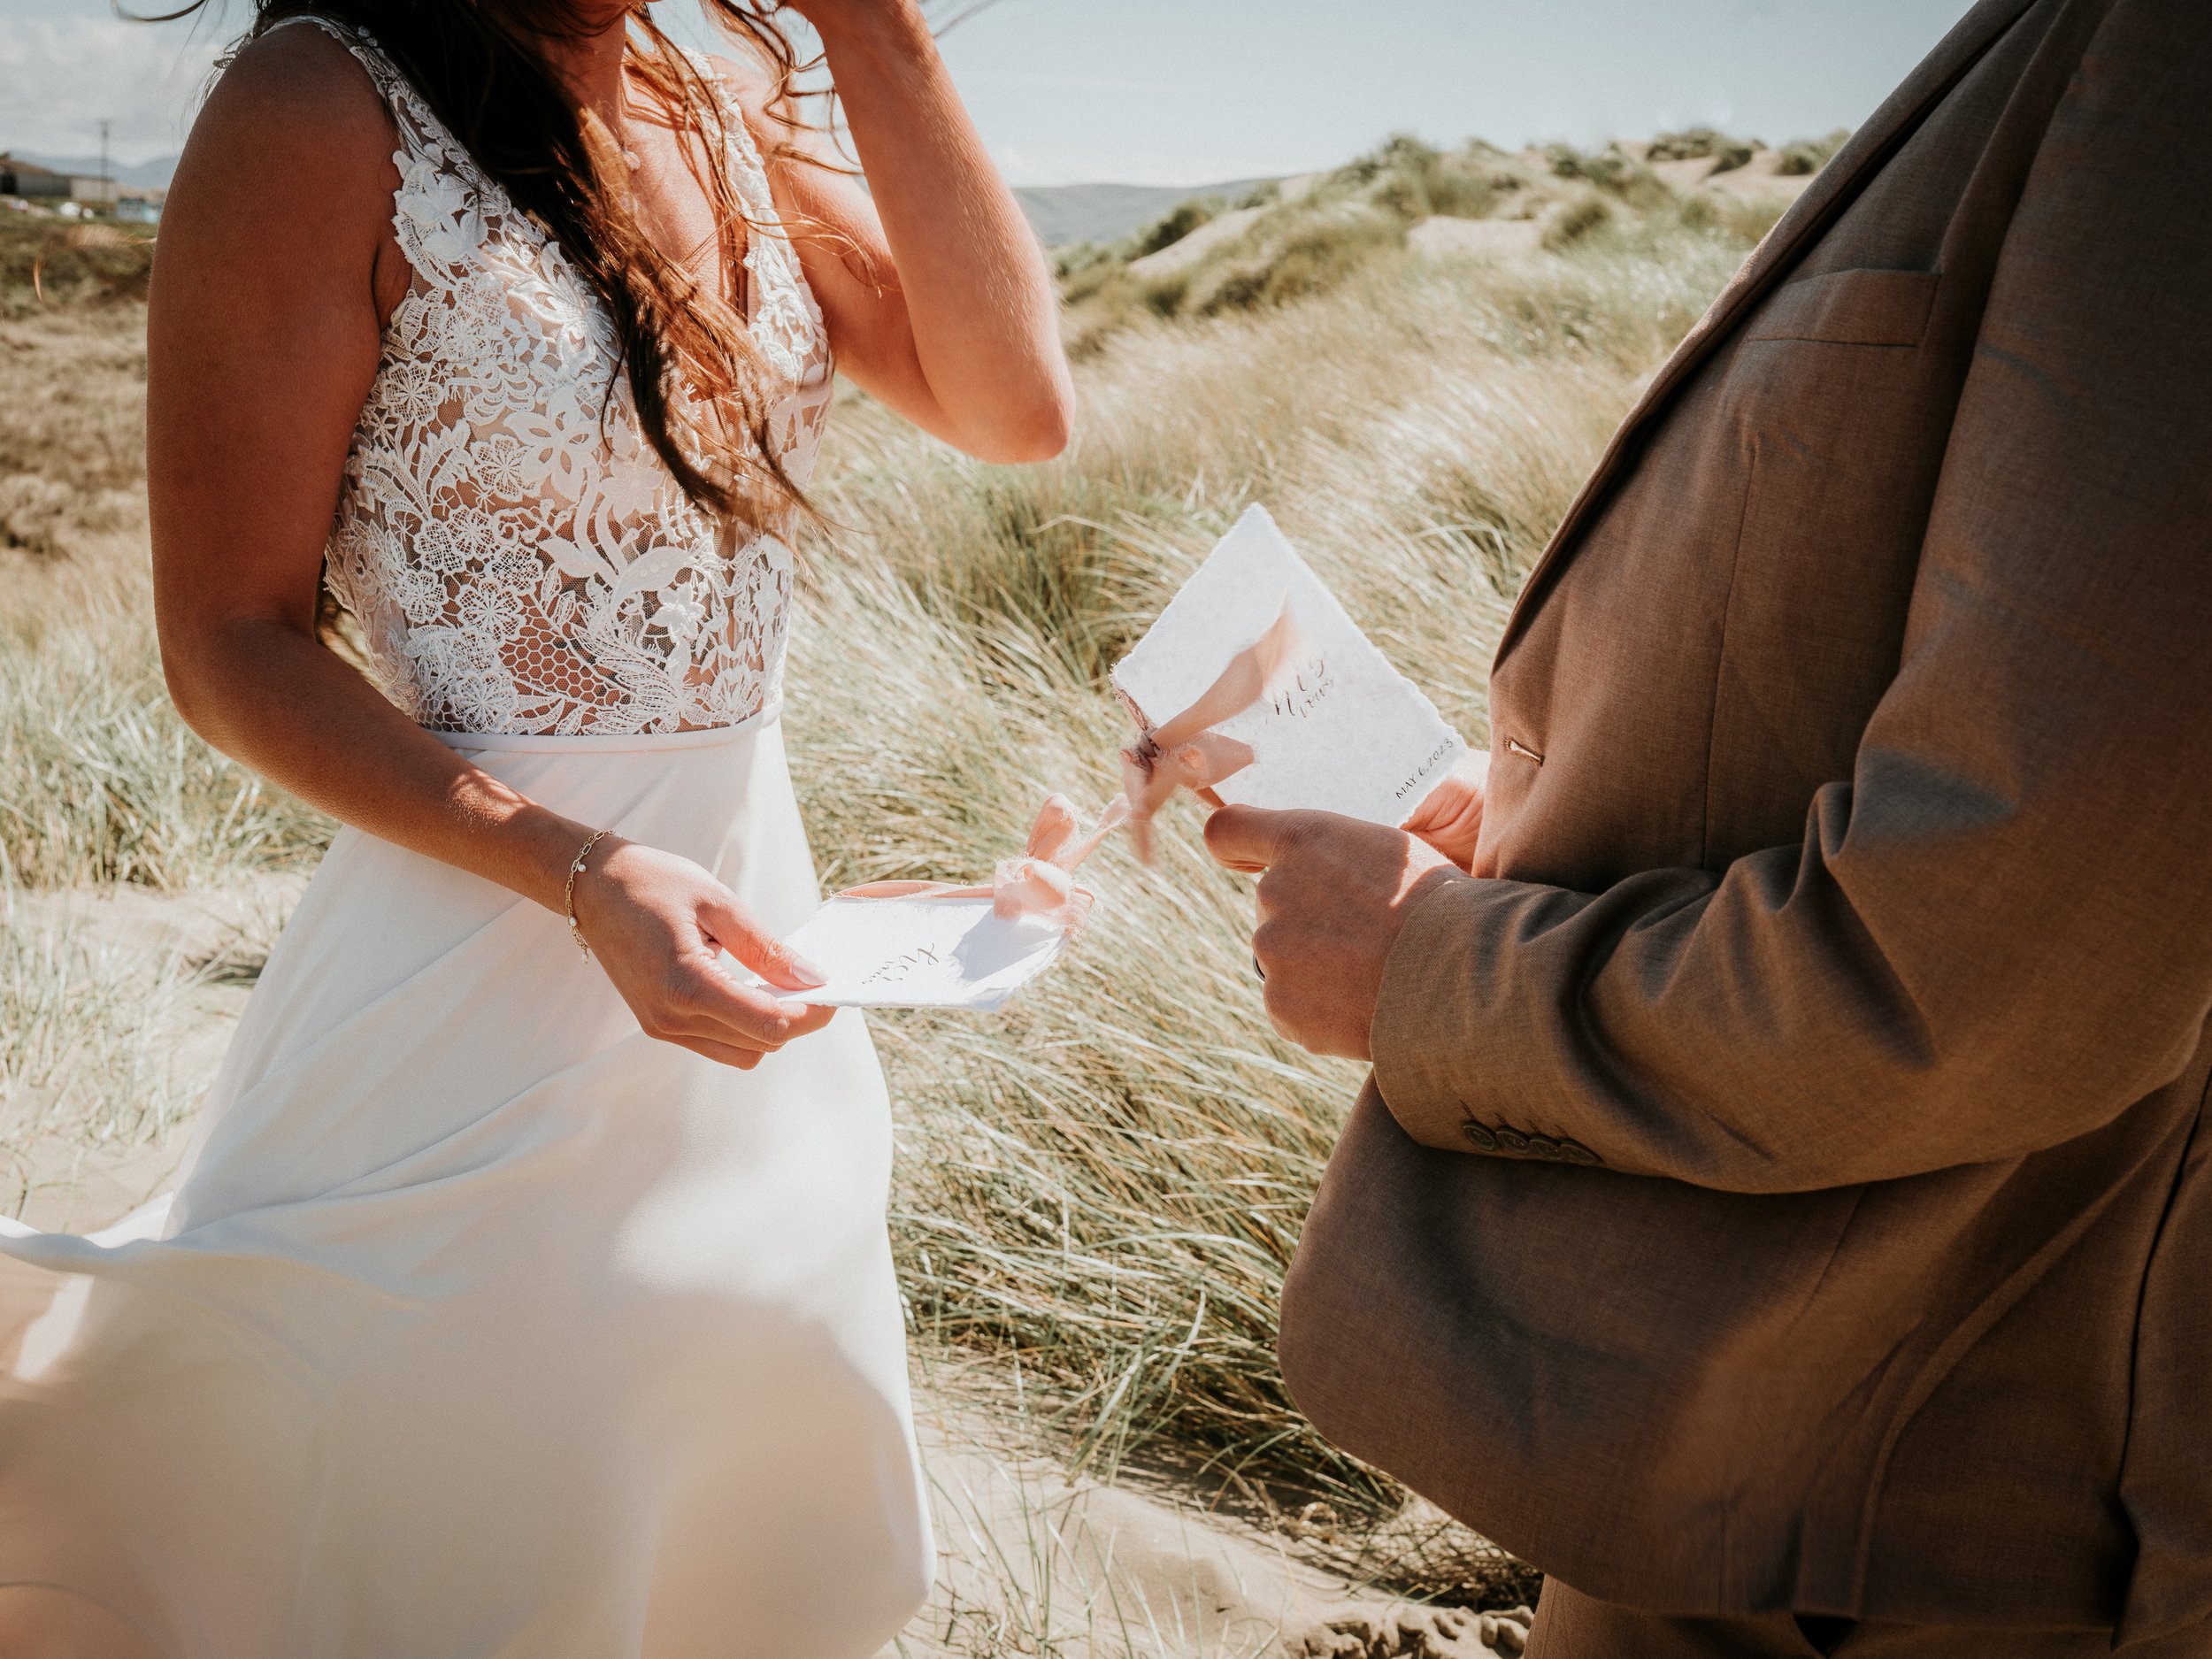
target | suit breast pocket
x=1849, y=308
x=1842, y=408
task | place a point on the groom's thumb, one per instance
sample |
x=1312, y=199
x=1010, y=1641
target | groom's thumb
x=1246, y=837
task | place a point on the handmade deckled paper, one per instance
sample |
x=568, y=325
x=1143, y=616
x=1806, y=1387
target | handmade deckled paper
x=1339, y=730
x=922, y=953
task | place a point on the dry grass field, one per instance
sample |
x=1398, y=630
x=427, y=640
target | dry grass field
x=1098, y=1187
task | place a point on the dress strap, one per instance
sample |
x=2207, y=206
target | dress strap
x=444, y=200
x=787, y=322
x=739, y=155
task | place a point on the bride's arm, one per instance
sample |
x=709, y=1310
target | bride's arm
x=937, y=295
x=275, y=271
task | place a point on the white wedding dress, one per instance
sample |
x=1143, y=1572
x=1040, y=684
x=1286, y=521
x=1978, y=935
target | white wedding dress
x=480, y=1324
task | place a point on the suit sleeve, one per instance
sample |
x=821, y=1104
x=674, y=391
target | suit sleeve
x=1997, y=934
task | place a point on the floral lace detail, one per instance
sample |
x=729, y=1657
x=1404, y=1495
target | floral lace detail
x=518, y=563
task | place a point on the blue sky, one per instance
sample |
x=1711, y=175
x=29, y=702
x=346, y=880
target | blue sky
x=1190, y=91
x=1183, y=91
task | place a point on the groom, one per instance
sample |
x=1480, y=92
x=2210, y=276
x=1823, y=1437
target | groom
x=1782, y=1207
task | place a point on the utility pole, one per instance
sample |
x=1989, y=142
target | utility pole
x=107, y=189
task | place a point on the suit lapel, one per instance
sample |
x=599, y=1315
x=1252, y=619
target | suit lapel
x=1833, y=190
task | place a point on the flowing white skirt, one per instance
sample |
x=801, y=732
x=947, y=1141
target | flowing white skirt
x=480, y=1324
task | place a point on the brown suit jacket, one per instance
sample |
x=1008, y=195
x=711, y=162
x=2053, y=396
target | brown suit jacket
x=1785, y=1186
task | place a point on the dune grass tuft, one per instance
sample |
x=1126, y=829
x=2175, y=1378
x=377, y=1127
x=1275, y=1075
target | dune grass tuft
x=100, y=780
x=51, y=264
x=1810, y=155
x=1697, y=142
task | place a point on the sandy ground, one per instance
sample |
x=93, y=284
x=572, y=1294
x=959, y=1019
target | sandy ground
x=197, y=954
x=1488, y=239
x=1687, y=174
x=1031, y=1559
x=1756, y=181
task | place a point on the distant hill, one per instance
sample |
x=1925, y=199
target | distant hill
x=146, y=174
x=1062, y=214
x=1066, y=213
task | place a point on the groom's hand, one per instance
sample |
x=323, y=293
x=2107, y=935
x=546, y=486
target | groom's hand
x=1334, y=895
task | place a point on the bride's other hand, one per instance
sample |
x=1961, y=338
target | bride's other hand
x=657, y=923
x=1450, y=819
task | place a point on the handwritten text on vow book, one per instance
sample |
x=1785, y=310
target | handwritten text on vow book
x=923, y=952
x=1288, y=705
x=1339, y=731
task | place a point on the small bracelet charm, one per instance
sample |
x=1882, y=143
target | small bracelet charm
x=568, y=895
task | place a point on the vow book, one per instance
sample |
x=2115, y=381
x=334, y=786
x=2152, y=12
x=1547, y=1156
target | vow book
x=1339, y=730
x=922, y=953
x=1333, y=727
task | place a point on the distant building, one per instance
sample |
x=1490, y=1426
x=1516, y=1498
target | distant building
x=33, y=183
x=77, y=194
x=139, y=204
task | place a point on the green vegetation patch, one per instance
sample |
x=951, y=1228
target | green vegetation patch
x=1315, y=235
x=1697, y=142
x=54, y=264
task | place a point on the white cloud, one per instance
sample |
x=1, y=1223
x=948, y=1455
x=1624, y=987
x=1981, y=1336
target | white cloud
x=60, y=77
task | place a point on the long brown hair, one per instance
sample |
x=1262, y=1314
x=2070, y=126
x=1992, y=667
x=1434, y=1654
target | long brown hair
x=481, y=66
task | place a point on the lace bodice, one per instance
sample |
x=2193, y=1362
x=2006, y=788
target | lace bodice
x=519, y=558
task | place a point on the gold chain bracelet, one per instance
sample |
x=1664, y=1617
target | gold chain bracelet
x=568, y=894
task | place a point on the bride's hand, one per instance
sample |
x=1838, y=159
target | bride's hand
x=656, y=922
x=1450, y=819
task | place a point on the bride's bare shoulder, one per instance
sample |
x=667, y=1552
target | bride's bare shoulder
x=296, y=118
x=290, y=159
x=298, y=81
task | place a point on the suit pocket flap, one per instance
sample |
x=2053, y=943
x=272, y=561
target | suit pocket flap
x=1850, y=308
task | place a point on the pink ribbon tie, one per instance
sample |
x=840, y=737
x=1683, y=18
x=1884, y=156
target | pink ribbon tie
x=1039, y=883
x=1185, y=753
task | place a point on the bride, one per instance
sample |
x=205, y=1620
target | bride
x=527, y=1292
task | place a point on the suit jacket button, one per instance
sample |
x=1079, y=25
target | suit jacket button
x=1575, y=1152
x=1512, y=1140
x=1542, y=1147
x=1479, y=1136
